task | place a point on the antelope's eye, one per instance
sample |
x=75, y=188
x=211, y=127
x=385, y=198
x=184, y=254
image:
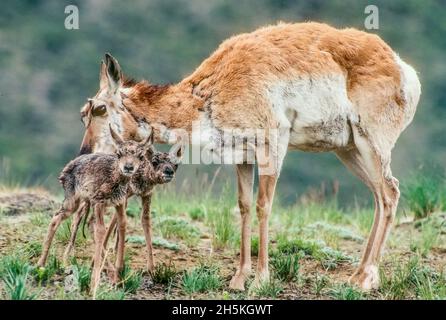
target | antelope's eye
x=99, y=110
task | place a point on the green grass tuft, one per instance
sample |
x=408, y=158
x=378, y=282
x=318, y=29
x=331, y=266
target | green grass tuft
x=424, y=192
x=202, y=279
x=164, y=273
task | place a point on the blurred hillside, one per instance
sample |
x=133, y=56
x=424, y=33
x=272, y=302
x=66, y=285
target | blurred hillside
x=47, y=72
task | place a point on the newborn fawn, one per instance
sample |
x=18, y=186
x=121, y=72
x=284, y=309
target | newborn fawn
x=159, y=168
x=100, y=180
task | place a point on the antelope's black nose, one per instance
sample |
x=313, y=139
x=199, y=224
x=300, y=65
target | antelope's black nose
x=168, y=171
x=128, y=167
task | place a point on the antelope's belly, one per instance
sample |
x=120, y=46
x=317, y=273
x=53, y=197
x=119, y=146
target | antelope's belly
x=316, y=110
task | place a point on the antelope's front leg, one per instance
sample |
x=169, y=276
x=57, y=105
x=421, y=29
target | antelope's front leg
x=122, y=225
x=147, y=227
x=99, y=235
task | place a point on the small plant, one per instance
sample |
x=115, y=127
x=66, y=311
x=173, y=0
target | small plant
x=64, y=233
x=286, y=267
x=39, y=219
x=424, y=192
x=255, y=245
x=429, y=236
x=43, y=274
x=33, y=249
x=164, y=273
x=82, y=274
x=345, y=292
x=412, y=280
x=14, y=273
x=179, y=228
x=156, y=241
x=197, y=213
x=201, y=279
x=269, y=289
x=131, y=280
x=320, y=283
x=328, y=257
x=224, y=228
x=107, y=292
x=133, y=209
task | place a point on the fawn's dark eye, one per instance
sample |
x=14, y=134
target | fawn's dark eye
x=99, y=110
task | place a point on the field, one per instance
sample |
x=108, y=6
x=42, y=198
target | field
x=315, y=246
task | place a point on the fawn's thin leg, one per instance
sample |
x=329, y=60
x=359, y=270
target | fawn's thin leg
x=122, y=225
x=64, y=212
x=147, y=227
x=83, y=210
x=99, y=234
x=110, y=229
x=245, y=183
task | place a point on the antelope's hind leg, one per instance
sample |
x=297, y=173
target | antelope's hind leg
x=373, y=168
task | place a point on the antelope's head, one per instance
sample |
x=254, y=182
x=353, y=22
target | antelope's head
x=107, y=107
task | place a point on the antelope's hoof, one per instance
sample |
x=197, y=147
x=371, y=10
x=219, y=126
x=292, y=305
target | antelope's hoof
x=367, y=279
x=238, y=281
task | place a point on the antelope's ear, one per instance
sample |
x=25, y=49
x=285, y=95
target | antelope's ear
x=116, y=138
x=103, y=81
x=147, y=141
x=113, y=72
x=177, y=151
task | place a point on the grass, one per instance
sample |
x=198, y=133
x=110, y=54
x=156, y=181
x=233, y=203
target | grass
x=131, y=280
x=428, y=239
x=308, y=241
x=44, y=274
x=425, y=192
x=413, y=280
x=221, y=220
x=178, y=228
x=346, y=292
x=82, y=274
x=108, y=292
x=14, y=273
x=201, y=279
x=164, y=273
x=285, y=267
x=320, y=283
x=328, y=257
x=269, y=289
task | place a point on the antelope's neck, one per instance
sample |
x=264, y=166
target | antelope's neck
x=167, y=106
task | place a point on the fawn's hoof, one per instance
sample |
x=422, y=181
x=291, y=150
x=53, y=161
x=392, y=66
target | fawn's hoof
x=366, y=279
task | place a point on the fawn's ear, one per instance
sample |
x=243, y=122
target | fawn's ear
x=116, y=138
x=113, y=72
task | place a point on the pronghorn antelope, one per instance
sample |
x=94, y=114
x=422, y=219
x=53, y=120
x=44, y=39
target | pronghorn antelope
x=318, y=88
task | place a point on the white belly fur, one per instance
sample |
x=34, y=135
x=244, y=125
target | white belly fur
x=316, y=109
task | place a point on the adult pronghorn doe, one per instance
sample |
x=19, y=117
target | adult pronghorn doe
x=317, y=87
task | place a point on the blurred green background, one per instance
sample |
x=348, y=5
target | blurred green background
x=47, y=72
